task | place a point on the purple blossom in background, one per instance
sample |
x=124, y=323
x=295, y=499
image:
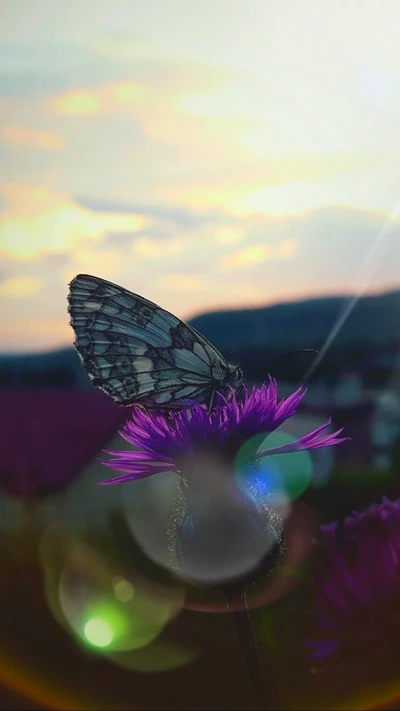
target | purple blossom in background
x=355, y=613
x=48, y=436
x=164, y=439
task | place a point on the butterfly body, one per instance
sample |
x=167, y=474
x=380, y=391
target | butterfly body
x=138, y=353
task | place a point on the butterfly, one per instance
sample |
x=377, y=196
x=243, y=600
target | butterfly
x=140, y=354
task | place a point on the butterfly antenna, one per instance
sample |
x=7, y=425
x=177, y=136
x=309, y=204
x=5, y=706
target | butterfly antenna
x=277, y=355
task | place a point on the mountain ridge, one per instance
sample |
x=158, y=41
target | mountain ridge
x=372, y=326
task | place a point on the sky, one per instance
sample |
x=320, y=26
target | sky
x=207, y=154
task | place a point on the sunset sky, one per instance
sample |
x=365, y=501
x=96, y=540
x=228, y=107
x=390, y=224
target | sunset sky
x=204, y=154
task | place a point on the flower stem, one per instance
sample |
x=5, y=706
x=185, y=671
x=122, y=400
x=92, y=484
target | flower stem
x=247, y=643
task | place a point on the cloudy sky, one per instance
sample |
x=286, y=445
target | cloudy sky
x=206, y=154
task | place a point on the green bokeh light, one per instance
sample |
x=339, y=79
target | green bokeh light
x=105, y=625
x=276, y=475
x=98, y=632
x=123, y=590
x=108, y=612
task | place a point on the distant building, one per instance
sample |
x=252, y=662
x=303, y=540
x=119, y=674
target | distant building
x=385, y=427
x=350, y=406
x=320, y=392
x=356, y=421
x=349, y=391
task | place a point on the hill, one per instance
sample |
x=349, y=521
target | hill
x=368, y=342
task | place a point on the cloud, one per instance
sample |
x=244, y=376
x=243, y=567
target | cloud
x=39, y=69
x=181, y=216
x=129, y=93
x=112, y=98
x=125, y=240
x=153, y=249
x=34, y=334
x=283, y=259
x=334, y=251
x=36, y=221
x=189, y=267
x=229, y=235
x=183, y=282
x=247, y=257
x=147, y=248
x=45, y=67
x=121, y=241
x=243, y=188
x=48, y=267
x=162, y=134
x=76, y=103
x=20, y=287
x=17, y=135
x=286, y=249
x=88, y=259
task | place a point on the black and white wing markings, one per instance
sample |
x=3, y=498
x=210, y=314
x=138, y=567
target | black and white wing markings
x=136, y=351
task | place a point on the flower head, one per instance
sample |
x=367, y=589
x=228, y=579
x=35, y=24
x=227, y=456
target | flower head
x=356, y=612
x=221, y=529
x=164, y=439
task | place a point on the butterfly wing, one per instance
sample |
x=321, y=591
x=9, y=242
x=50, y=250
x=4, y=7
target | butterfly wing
x=137, y=352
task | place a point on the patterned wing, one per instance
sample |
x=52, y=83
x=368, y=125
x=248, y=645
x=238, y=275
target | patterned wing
x=137, y=352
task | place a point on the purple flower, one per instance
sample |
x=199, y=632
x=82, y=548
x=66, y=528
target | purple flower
x=221, y=527
x=355, y=613
x=163, y=441
x=47, y=438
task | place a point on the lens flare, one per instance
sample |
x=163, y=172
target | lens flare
x=123, y=589
x=276, y=479
x=119, y=617
x=102, y=608
x=98, y=632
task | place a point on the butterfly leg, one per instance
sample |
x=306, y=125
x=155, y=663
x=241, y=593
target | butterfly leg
x=212, y=401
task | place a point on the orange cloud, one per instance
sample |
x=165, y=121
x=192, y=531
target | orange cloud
x=144, y=247
x=183, y=282
x=129, y=93
x=229, y=235
x=38, y=221
x=111, y=98
x=20, y=286
x=259, y=253
x=247, y=257
x=286, y=249
x=35, y=331
x=76, y=103
x=153, y=249
x=248, y=189
x=85, y=259
x=19, y=136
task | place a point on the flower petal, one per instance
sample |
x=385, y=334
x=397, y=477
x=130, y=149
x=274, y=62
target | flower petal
x=310, y=441
x=161, y=438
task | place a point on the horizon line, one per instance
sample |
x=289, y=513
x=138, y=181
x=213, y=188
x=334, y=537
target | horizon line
x=302, y=299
